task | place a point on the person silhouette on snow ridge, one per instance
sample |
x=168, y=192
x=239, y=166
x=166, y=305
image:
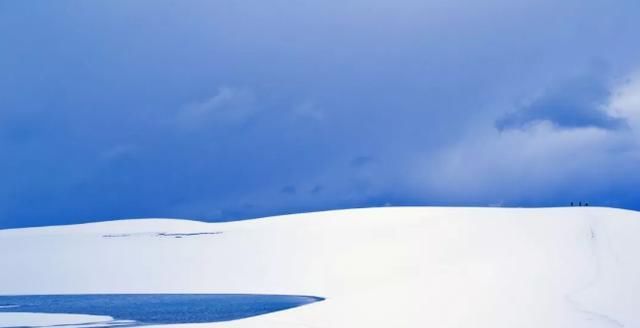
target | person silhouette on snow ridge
x=580, y=204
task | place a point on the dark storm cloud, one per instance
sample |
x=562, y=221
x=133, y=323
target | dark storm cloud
x=580, y=102
x=210, y=109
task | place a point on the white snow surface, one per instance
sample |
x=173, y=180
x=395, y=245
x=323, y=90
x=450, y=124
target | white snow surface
x=50, y=319
x=378, y=267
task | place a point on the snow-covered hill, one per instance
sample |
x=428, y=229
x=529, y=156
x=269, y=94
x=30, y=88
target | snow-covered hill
x=382, y=267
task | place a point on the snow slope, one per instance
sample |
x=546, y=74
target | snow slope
x=49, y=319
x=381, y=267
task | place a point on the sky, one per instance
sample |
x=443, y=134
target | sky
x=235, y=109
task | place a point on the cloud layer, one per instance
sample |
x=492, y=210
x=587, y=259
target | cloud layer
x=225, y=110
x=579, y=102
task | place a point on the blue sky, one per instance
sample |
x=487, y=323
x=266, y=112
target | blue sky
x=223, y=110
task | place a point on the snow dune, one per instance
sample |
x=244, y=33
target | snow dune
x=50, y=319
x=380, y=267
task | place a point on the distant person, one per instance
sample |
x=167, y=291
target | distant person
x=580, y=204
x=571, y=204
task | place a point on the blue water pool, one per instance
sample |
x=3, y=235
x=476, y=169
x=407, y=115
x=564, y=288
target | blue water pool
x=157, y=308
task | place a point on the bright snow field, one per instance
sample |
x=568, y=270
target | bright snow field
x=384, y=267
